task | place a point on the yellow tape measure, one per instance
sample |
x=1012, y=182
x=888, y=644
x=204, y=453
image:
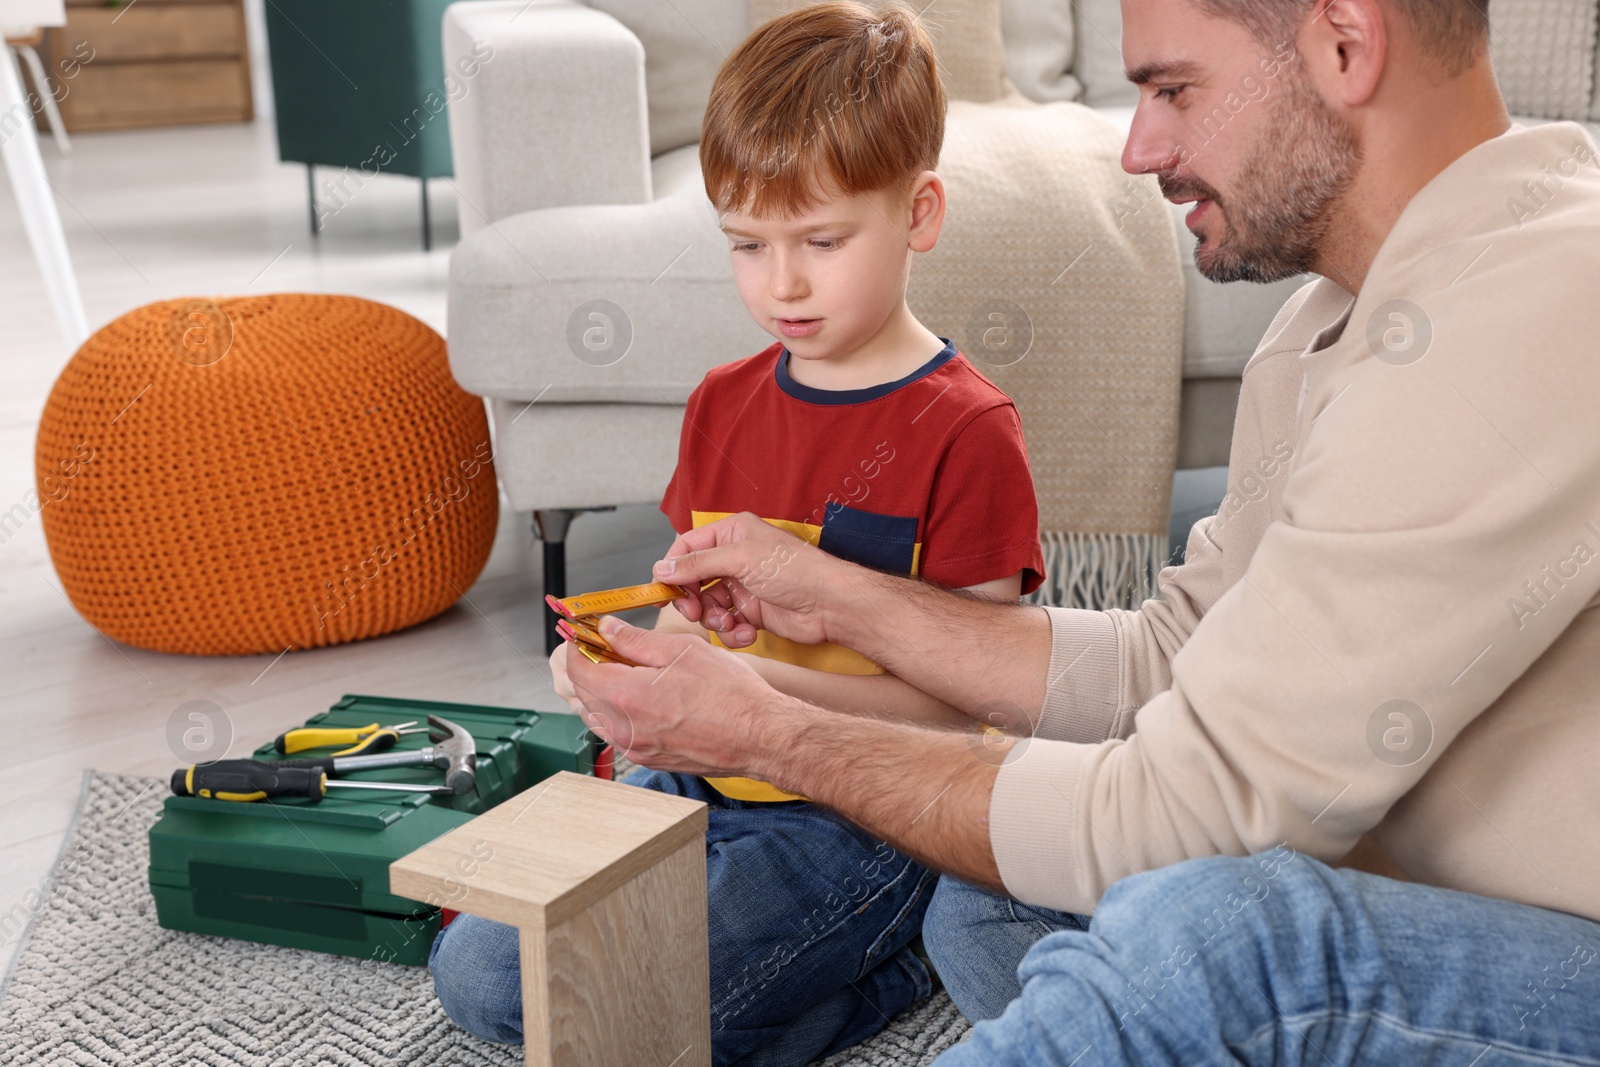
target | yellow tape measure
x=579, y=625
x=610, y=601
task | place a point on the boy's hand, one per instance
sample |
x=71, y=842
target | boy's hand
x=771, y=580
x=687, y=707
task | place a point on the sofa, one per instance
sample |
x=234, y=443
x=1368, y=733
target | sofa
x=576, y=147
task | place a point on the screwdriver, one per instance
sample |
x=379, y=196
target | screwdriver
x=361, y=739
x=248, y=780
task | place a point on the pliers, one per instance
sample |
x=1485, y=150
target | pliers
x=362, y=740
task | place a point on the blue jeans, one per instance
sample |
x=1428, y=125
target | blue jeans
x=1274, y=959
x=809, y=923
x=976, y=940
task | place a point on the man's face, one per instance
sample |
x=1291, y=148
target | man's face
x=1235, y=126
x=824, y=282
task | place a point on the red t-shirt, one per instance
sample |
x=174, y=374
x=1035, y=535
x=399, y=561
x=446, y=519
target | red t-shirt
x=927, y=475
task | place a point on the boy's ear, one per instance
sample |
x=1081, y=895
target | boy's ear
x=927, y=211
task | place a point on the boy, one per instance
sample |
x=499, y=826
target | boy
x=861, y=431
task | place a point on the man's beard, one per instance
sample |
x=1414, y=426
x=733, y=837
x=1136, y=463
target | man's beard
x=1289, y=180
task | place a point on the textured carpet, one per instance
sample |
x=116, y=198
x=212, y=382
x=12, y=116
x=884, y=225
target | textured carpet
x=96, y=981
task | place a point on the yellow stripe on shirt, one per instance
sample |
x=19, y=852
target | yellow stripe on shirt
x=827, y=656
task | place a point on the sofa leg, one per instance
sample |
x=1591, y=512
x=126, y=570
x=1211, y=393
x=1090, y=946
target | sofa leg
x=311, y=197
x=427, y=229
x=551, y=528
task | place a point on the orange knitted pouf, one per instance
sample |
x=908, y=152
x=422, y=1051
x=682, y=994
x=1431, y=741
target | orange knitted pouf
x=261, y=473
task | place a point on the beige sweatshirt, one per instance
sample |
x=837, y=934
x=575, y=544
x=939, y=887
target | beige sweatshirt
x=1390, y=624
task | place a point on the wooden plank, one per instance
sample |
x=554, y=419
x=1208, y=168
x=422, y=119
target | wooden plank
x=627, y=980
x=244, y=65
x=554, y=849
x=113, y=96
x=115, y=7
x=156, y=31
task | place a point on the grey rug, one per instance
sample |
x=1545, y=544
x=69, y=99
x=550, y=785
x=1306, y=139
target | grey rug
x=96, y=981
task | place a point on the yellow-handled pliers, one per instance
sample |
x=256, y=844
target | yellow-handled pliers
x=362, y=740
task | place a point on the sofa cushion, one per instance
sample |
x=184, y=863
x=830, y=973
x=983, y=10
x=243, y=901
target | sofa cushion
x=522, y=299
x=966, y=33
x=684, y=42
x=1544, y=56
x=1223, y=323
x=1039, y=49
x=1099, y=54
x=1594, y=99
x=561, y=115
x=547, y=460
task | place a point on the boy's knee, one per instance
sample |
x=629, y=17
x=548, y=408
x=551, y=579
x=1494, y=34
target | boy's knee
x=958, y=916
x=477, y=975
x=974, y=946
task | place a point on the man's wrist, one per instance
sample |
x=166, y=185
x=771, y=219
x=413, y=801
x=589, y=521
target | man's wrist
x=777, y=726
x=852, y=614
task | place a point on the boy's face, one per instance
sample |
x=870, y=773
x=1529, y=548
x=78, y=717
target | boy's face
x=825, y=282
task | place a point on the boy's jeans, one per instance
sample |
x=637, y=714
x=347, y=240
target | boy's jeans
x=809, y=922
x=1269, y=959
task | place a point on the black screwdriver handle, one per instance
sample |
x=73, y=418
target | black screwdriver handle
x=246, y=780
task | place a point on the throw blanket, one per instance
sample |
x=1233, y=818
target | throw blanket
x=1058, y=276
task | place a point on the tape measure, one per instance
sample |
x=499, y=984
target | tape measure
x=580, y=620
x=589, y=642
x=611, y=601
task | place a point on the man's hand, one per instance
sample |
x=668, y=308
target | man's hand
x=969, y=652
x=771, y=580
x=688, y=706
x=667, y=622
x=558, y=676
x=699, y=709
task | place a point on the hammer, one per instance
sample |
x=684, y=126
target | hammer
x=453, y=751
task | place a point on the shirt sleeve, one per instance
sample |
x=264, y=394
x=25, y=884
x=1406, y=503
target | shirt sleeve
x=983, y=518
x=1105, y=665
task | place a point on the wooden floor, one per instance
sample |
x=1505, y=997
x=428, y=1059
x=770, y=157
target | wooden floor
x=201, y=211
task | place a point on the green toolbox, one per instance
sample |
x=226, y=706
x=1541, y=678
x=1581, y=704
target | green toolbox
x=315, y=873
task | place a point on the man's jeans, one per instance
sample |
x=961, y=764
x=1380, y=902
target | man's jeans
x=810, y=919
x=1268, y=959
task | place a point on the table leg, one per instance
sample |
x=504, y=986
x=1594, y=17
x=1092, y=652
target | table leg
x=20, y=146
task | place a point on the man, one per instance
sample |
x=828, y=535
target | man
x=1387, y=629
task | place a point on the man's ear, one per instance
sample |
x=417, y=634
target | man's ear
x=927, y=211
x=1345, y=44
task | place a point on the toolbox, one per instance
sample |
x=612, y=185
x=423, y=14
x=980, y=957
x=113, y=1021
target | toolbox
x=315, y=875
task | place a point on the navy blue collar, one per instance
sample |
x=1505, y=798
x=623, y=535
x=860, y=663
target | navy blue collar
x=857, y=396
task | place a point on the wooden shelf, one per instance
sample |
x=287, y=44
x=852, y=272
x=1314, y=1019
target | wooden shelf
x=154, y=63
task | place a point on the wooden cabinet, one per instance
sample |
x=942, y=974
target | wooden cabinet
x=150, y=63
